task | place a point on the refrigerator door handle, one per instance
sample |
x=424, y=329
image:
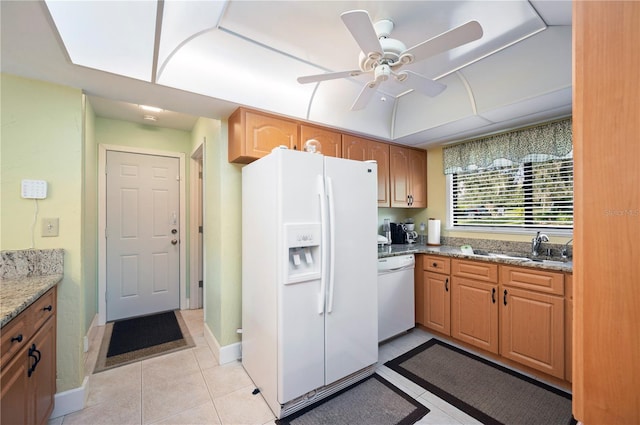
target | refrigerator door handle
x=323, y=243
x=332, y=242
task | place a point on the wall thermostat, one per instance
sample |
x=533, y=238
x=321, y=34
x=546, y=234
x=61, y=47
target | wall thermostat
x=34, y=189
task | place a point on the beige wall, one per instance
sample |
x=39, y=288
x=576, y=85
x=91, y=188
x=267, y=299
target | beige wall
x=90, y=217
x=42, y=139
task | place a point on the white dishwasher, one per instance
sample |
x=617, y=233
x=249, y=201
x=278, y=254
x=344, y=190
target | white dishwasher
x=396, y=302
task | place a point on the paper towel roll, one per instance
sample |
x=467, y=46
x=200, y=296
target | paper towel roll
x=434, y=232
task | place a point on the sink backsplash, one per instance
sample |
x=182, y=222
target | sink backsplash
x=506, y=247
x=31, y=262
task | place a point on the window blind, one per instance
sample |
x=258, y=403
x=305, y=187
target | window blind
x=522, y=195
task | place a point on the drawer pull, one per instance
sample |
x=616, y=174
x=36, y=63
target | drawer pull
x=493, y=295
x=17, y=338
x=435, y=264
x=48, y=308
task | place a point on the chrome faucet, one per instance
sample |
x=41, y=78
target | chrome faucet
x=565, y=250
x=536, y=242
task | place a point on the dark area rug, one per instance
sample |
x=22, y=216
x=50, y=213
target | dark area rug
x=372, y=401
x=129, y=340
x=489, y=392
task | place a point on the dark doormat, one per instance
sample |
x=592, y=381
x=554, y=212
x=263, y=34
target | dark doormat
x=372, y=401
x=129, y=340
x=491, y=393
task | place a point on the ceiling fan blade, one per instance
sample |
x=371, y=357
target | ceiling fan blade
x=361, y=28
x=365, y=96
x=328, y=76
x=423, y=84
x=451, y=39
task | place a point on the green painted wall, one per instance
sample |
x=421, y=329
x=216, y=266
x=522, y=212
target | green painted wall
x=222, y=235
x=90, y=217
x=42, y=138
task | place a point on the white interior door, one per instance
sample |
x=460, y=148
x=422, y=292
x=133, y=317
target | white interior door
x=142, y=234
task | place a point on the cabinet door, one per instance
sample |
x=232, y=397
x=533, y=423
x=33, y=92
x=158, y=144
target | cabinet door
x=330, y=141
x=418, y=178
x=532, y=329
x=360, y=149
x=43, y=379
x=437, y=302
x=14, y=402
x=474, y=313
x=263, y=133
x=408, y=177
x=399, y=175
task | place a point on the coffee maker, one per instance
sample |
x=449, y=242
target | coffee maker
x=410, y=234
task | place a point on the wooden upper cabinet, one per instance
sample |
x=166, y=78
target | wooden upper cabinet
x=330, y=141
x=408, y=174
x=253, y=135
x=362, y=150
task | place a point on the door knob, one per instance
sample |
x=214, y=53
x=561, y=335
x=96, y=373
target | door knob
x=174, y=231
x=174, y=241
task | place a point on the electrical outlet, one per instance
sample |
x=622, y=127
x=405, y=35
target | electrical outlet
x=50, y=227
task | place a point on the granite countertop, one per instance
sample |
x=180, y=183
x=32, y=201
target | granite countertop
x=18, y=294
x=25, y=275
x=455, y=252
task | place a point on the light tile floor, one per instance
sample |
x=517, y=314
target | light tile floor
x=191, y=387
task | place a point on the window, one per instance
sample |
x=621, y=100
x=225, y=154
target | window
x=522, y=195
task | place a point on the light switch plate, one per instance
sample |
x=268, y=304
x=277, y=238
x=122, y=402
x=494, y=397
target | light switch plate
x=50, y=227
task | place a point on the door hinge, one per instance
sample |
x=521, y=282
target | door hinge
x=200, y=229
x=106, y=234
x=200, y=174
x=200, y=284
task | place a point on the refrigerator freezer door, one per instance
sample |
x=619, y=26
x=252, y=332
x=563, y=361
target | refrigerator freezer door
x=351, y=337
x=300, y=324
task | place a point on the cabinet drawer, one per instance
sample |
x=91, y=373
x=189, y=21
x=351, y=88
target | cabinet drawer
x=15, y=335
x=42, y=310
x=535, y=280
x=437, y=264
x=486, y=272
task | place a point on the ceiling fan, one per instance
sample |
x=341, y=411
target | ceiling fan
x=383, y=56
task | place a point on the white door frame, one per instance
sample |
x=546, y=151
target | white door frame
x=195, y=206
x=102, y=222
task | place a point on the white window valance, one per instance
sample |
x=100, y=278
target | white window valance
x=535, y=144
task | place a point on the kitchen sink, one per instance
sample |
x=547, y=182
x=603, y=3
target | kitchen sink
x=552, y=262
x=496, y=255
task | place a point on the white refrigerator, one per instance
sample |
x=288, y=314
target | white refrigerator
x=309, y=276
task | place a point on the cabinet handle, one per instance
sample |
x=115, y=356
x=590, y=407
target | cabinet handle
x=37, y=358
x=435, y=264
x=48, y=308
x=17, y=338
x=446, y=284
x=493, y=295
x=504, y=299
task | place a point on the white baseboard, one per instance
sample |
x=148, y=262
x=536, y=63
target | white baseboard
x=228, y=353
x=72, y=400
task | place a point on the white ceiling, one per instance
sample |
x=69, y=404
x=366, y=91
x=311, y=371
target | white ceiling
x=211, y=56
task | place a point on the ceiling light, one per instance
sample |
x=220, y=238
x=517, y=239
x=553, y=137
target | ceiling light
x=150, y=118
x=151, y=108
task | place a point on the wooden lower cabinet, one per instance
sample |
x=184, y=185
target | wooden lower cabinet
x=474, y=313
x=435, y=293
x=28, y=376
x=568, y=327
x=437, y=302
x=532, y=329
